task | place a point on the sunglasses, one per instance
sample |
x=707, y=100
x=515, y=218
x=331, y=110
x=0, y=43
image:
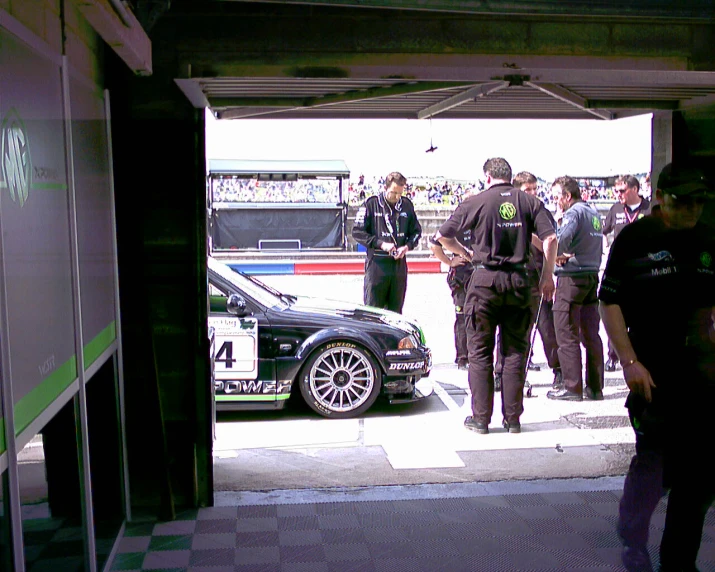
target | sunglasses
x=687, y=201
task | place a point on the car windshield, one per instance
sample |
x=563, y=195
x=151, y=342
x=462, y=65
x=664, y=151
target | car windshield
x=250, y=287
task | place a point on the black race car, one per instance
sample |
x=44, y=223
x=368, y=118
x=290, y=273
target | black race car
x=341, y=356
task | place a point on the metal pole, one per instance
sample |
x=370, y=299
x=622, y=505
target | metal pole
x=81, y=427
x=119, y=358
x=13, y=483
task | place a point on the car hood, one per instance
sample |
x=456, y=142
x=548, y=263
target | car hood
x=358, y=312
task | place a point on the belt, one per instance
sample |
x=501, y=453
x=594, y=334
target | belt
x=510, y=268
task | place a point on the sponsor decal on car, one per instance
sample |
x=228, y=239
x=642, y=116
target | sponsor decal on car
x=245, y=386
x=397, y=353
x=407, y=365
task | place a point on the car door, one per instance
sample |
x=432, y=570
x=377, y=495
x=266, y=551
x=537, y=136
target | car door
x=244, y=369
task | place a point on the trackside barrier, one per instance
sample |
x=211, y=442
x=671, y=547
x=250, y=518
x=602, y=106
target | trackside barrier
x=327, y=267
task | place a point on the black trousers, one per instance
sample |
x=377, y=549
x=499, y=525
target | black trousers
x=485, y=310
x=546, y=329
x=665, y=459
x=385, y=283
x=576, y=320
x=459, y=297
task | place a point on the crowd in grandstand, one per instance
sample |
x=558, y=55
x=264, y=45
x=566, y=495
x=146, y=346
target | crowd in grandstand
x=423, y=191
x=229, y=189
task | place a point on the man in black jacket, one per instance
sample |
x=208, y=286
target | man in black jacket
x=629, y=208
x=387, y=226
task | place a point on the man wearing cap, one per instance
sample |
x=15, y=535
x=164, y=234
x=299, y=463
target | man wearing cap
x=502, y=220
x=576, y=302
x=658, y=306
x=387, y=226
x=630, y=207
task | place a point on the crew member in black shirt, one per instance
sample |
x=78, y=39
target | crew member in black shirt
x=386, y=224
x=460, y=271
x=502, y=220
x=658, y=306
x=543, y=309
x=630, y=207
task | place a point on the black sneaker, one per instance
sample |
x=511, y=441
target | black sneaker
x=611, y=365
x=636, y=559
x=558, y=382
x=511, y=427
x=594, y=395
x=533, y=367
x=497, y=382
x=476, y=426
x=564, y=395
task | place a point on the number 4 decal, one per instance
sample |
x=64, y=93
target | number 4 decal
x=227, y=350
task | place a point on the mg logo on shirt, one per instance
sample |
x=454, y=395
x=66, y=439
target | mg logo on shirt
x=596, y=222
x=15, y=162
x=507, y=211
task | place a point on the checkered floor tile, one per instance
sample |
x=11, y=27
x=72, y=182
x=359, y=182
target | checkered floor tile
x=540, y=530
x=57, y=544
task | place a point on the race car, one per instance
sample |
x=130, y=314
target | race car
x=341, y=357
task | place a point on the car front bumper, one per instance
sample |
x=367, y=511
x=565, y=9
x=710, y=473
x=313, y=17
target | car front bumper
x=406, y=371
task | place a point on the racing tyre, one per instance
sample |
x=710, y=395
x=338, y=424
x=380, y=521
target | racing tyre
x=340, y=380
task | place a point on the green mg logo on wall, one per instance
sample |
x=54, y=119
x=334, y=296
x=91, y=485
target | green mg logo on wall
x=15, y=162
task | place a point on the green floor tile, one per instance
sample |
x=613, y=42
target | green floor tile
x=128, y=561
x=182, y=542
x=144, y=529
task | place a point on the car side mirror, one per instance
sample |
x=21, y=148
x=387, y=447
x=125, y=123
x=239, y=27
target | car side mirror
x=236, y=305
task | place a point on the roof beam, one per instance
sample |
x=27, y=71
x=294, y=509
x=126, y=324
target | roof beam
x=569, y=97
x=121, y=30
x=646, y=104
x=332, y=98
x=480, y=90
x=695, y=102
x=192, y=90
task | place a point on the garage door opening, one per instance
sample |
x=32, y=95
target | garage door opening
x=290, y=445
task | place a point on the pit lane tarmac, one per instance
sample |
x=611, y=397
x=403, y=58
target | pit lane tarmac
x=422, y=442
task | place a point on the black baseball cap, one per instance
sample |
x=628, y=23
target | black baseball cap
x=684, y=181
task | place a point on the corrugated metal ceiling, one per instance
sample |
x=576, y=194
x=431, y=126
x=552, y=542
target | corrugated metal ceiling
x=301, y=98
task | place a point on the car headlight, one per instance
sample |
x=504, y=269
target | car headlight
x=407, y=343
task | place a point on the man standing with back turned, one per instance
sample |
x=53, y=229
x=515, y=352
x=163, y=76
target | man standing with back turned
x=502, y=220
x=386, y=224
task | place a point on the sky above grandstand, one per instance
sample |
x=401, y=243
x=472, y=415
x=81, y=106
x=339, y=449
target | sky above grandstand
x=548, y=148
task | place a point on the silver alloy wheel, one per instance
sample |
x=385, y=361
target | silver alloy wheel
x=342, y=379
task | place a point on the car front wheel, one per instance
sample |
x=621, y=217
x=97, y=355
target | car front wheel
x=340, y=380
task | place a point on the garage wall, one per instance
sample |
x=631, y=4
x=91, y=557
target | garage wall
x=37, y=196
x=58, y=295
